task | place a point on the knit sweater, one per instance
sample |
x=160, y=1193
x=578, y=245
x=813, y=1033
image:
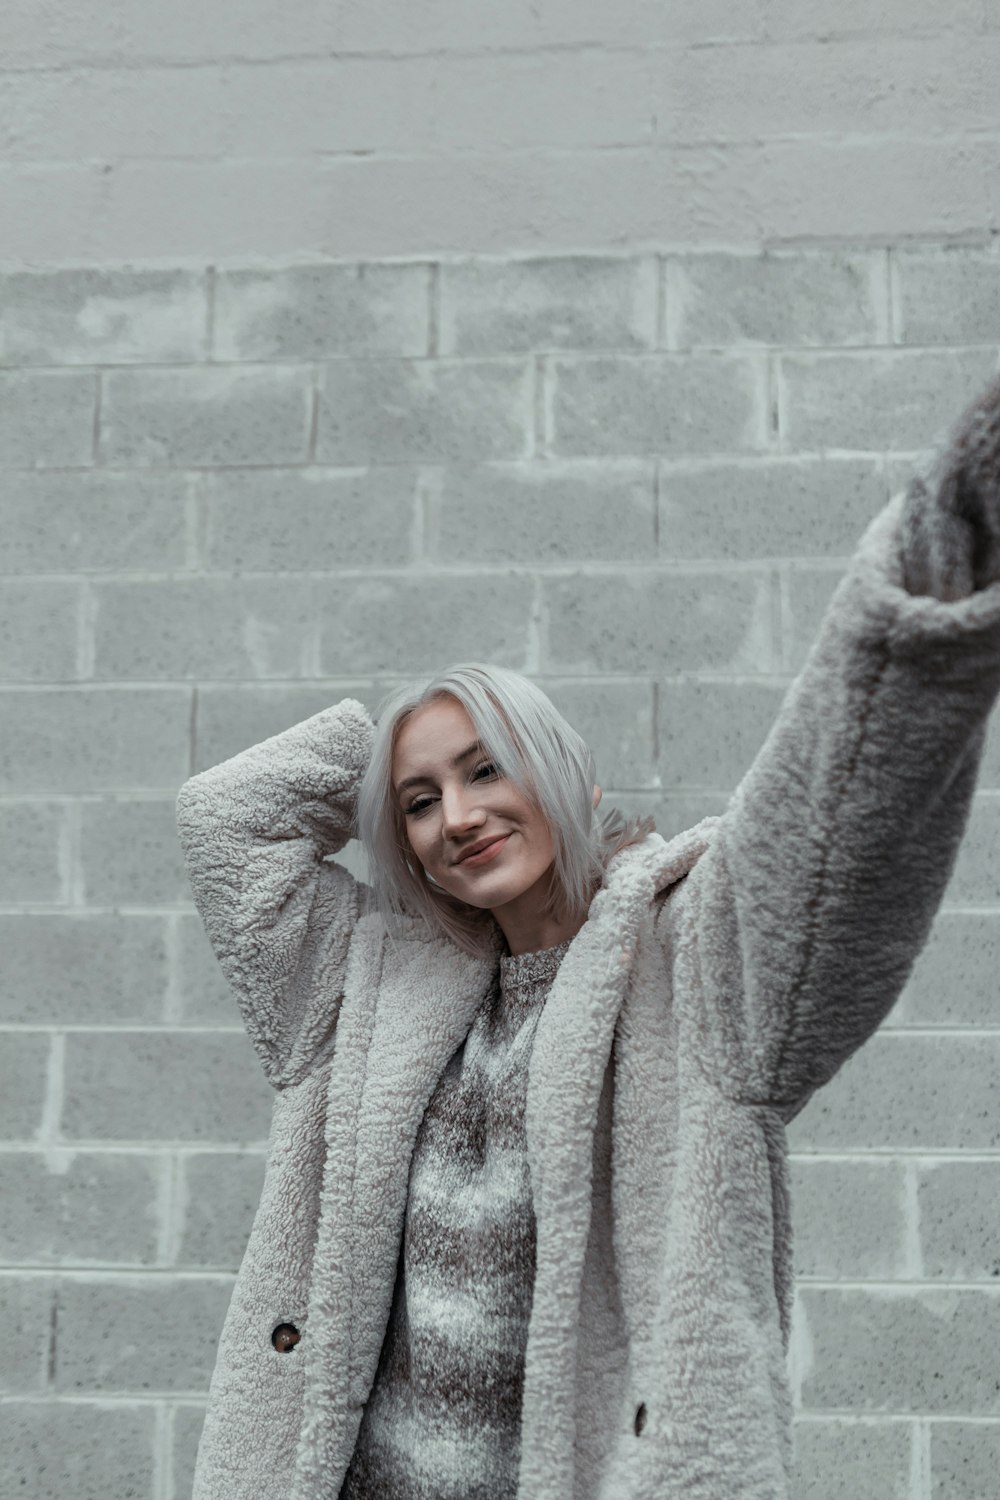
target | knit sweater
x=443, y=1418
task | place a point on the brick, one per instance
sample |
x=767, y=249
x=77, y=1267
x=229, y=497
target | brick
x=205, y=627
x=809, y=592
x=954, y=980
x=386, y=623
x=90, y=1207
x=709, y=732
x=96, y=315
x=312, y=312
x=220, y=1196
x=824, y=297
x=38, y=629
x=188, y=1424
x=46, y=418
x=805, y=188
x=181, y=1086
x=651, y=621
x=963, y=1459
x=673, y=813
x=782, y=507
x=809, y=187
x=354, y=859
x=270, y=520
x=616, y=720
x=24, y=1066
x=102, y=114
x=834, y=1459
x=54, y=1449
x=31, y=836
x=541, y=513
x=788, y=18
x=26, y=1309
x=190, y=34
x=893, y=399
x=231, y=717
x=78, y=967
x=958, y=1209
x=217, y=415
x=848, y=1219
x=669, y=403
x=487, y=100
x=549, y=302
x=130, y=854
x=871, y=188
x=93, y=740
x=900, y=470
x=912, y=86
x=905, y=1350
x=975, y=879
x=398, y=411
x=138, y=1333
x=93, y=521
x=898, y=1092
x=200, y=990
x=947, y=295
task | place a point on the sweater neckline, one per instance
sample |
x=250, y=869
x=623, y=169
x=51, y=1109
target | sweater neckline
x=524, y=970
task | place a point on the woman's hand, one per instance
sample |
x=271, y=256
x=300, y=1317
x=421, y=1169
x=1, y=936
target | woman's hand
x=951, y=519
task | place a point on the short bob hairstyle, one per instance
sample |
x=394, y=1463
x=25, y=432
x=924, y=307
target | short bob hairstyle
x=530, y=742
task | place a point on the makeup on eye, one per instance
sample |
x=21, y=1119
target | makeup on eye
x=423, y=803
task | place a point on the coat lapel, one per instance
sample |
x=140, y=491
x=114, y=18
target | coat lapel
x=407, y=1007
x=566, y=1072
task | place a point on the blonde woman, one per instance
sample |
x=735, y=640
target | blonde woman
x=525, y=1225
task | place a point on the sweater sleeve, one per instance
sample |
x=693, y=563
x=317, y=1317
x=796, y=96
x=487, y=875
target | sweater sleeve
x=255, y=831
x=797, y=928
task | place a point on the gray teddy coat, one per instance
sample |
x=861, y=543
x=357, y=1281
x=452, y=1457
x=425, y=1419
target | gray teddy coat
x=719, y=980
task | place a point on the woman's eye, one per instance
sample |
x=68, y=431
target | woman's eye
x=421, y=805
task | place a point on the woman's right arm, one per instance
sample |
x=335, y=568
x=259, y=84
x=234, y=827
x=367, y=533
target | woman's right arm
x=255, y=830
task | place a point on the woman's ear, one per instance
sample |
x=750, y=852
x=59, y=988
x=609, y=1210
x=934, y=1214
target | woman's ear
x=597, y=795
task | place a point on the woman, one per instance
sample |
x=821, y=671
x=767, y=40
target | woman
x=525, y=1226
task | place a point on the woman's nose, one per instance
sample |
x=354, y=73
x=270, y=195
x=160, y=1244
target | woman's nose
x=459, y=811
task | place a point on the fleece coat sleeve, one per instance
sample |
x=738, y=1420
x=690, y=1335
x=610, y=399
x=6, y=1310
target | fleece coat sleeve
x=255, y=831
x=800, y=923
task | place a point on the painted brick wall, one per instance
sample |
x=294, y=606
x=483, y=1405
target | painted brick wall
x=232, y=497
x=340, y=342
x=197, y=131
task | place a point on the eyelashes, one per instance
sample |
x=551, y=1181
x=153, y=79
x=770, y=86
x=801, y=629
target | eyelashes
x=422, y=804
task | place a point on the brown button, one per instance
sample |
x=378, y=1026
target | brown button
x=640, y=1419
x=285, y=1337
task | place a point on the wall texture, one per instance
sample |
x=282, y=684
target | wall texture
x=232, y=497
x=338, y=343
x=322, y=126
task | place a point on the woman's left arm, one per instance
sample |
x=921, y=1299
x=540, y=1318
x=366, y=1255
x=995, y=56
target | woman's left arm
x=799, y=925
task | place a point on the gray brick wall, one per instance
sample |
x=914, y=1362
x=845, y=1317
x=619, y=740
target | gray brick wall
x=193, y=131
x=230, y=497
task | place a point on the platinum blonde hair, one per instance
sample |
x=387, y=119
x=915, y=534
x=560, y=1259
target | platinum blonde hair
x=528, y=740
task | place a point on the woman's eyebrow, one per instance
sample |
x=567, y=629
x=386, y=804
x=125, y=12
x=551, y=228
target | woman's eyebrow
x=456, y=761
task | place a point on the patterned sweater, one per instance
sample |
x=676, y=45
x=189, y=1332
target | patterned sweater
x=443, y=1418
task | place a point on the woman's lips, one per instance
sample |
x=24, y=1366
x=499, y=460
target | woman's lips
x=490, y=852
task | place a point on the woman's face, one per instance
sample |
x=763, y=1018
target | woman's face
x=453, y=800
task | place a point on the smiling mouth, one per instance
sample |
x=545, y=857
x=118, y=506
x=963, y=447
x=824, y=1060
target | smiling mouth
x=490, y=852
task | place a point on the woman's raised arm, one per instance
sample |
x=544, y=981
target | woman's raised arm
x=255, y=830
x=798, y=927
